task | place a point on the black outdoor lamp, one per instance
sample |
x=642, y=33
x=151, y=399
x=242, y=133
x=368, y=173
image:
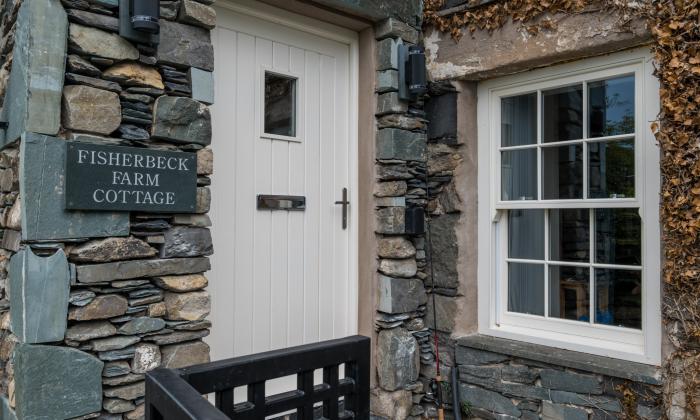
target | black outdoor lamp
x=145, y=15
x=412, y=73
x=139, y=20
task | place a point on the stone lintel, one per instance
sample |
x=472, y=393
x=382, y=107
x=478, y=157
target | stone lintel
x=637, y=372
x=407, y=11
x=511, y=49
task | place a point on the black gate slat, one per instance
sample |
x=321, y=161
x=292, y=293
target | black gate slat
x=256, y=396
x=305, y=383
x=330, y=404
x=224, y=402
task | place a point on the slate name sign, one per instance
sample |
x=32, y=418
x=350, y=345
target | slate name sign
x=103, y=177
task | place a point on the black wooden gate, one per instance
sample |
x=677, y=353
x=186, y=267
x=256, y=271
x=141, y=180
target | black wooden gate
x=176, y=394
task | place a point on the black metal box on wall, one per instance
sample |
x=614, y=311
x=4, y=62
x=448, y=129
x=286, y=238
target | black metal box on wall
x=415, y=220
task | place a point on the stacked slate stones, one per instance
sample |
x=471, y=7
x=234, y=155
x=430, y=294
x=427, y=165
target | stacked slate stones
x=127, y=295
x=404, y=352
x=551, y=384
x=9, y=203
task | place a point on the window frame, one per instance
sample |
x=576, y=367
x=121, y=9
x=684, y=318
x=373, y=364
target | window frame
x=298, y=101
x=640, y=346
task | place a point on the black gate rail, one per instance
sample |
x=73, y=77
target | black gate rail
x=176, y=394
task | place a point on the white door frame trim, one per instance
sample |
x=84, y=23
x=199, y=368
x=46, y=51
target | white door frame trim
x=351, y=39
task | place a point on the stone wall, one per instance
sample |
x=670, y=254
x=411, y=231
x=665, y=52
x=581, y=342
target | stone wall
x=402, y=347
x=501, y=378
x=533, y=382
x=91, y=301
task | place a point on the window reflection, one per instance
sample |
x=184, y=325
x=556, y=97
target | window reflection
x=611, y=169
x=619, y=298
x=563, y=172
x=562, y=113
x=519, y=175
x=569, y=293
x=519, y=120
x=526, y=233
x=618, y=234
x=280, y=105
x=611, y=107
x=569, y=232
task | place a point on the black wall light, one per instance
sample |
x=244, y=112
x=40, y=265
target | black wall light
x=412, y=72
x=139, y=20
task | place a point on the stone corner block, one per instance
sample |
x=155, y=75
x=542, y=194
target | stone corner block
x=394, y=143
x=198, y=14
x=196, y=52
x=33, y=98
x=181, y=120
x=39, y=299
x=397, y=361
x=56, y=382
x=391, y=220
x=400, y=295
x=202, y=83
x=177, y=356
x=387, y=81
x=388, y=54
x=390, y=103
x=184, y=241
x=42, y=182
x=395, y=28
x=445, y=314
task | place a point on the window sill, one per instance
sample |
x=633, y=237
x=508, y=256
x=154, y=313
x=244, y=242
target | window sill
x=636, y=372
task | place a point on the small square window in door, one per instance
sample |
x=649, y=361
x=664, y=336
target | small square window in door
x=280, y=105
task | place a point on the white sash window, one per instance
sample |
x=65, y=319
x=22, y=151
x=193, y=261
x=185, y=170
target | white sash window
x=569, y=252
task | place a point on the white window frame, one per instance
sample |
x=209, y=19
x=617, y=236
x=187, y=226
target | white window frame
x=639, y=346
x=298, y=92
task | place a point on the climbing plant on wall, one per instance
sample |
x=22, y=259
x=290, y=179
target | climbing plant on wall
x=675, y=27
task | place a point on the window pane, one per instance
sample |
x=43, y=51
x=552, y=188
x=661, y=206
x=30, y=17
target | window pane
x=611, y=169
x=526, y=234
x=618, y=235
x=619, y=298
x=519, y=175
x=562, y=114
x=562, y=168
x=569, y=232
x=519, y=120
x=280, y=104
x=611, y=107
x=526, y=288
x=569, y=294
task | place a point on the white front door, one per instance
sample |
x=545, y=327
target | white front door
x=284, y=124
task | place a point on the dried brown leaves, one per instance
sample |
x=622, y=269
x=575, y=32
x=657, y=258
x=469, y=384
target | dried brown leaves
x=494, y=15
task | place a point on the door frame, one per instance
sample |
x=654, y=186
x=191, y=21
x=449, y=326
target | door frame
x=350, y=38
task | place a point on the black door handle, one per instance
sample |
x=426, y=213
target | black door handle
x=345, y=203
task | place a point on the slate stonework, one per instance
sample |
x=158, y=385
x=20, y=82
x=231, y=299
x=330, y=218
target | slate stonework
x=133, y=297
